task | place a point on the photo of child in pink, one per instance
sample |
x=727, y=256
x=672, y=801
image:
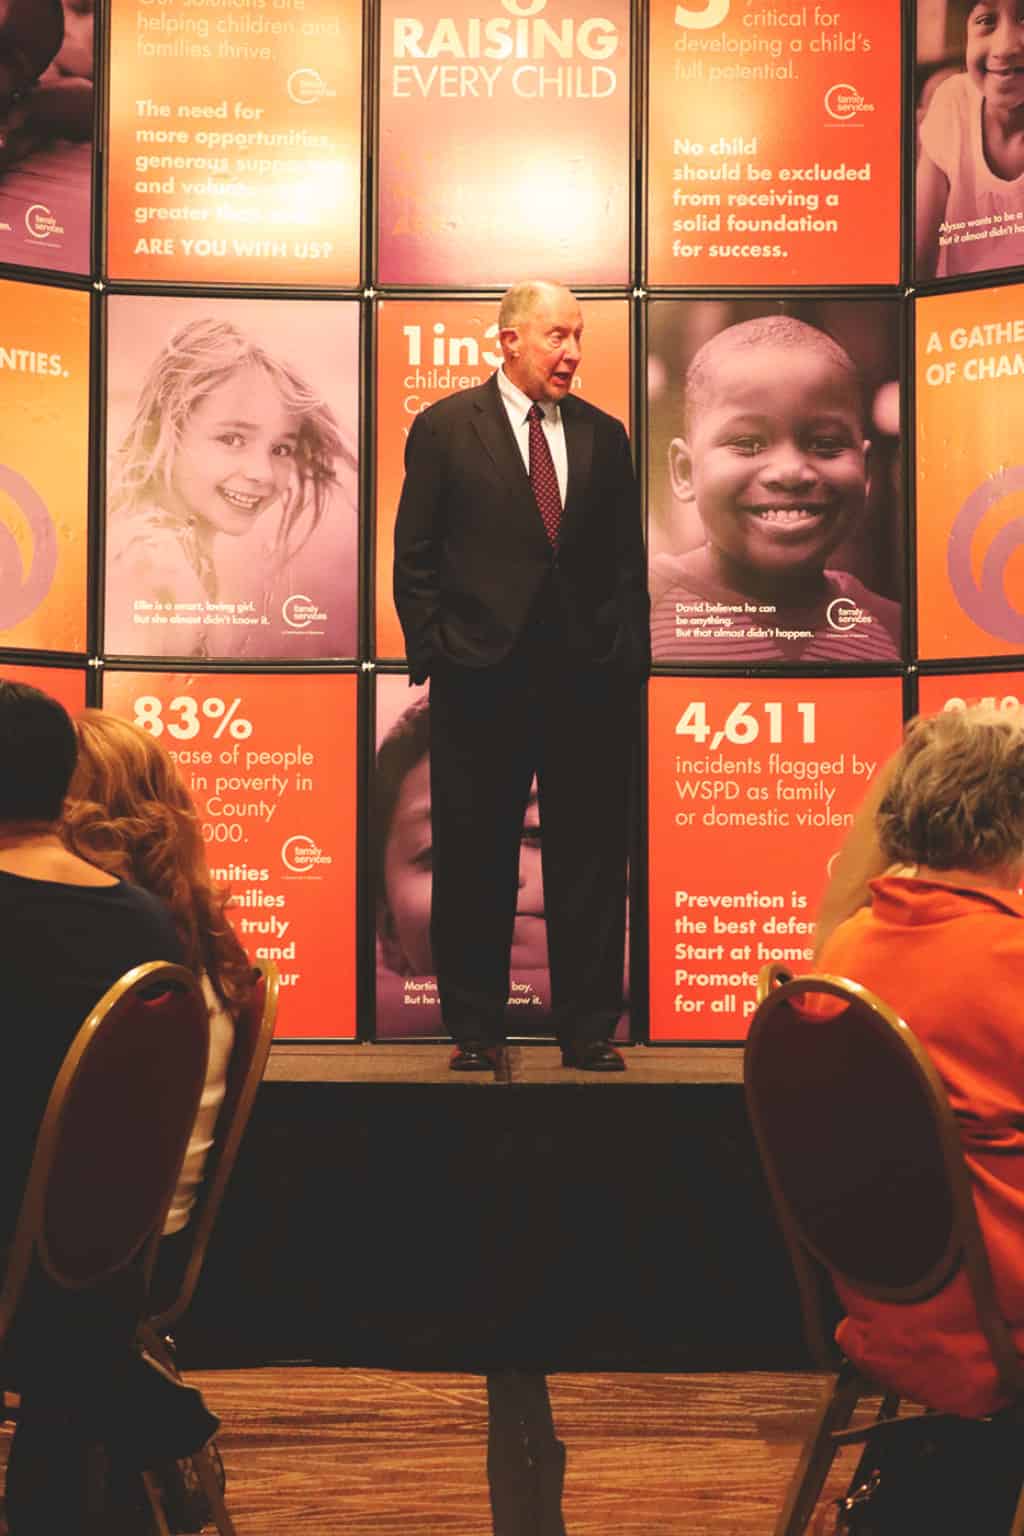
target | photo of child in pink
x=970, y=171
x=774, y=457
x=231, y=525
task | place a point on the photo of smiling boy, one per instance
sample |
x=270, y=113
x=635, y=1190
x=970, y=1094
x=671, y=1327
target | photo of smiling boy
x=231, y=522
x=970, y=170
x=774, y=457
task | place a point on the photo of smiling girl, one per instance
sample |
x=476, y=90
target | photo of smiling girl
x=970, y=169
x=231, y=526
x=770, y=473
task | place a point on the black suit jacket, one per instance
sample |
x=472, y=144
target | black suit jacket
x=471, y=553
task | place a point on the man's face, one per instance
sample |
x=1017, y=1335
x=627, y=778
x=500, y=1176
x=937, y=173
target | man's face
x=542, y=352
x=776, y=460
x=408, y=858
x=994, y=52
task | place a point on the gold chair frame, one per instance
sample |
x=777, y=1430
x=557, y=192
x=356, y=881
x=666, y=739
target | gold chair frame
x=254, y=1033
x=131, y=1079
x=813, y=1261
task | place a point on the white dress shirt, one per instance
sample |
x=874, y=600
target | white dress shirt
x=517, y=405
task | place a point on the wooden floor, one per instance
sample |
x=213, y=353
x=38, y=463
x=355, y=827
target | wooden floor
x=345, y=1452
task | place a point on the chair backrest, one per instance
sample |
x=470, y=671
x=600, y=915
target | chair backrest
x=113, y=1135
x=862, y=1154
x=254, y=1033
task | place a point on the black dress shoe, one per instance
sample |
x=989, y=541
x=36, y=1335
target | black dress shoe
x=475, y=1056
x=593, y=1056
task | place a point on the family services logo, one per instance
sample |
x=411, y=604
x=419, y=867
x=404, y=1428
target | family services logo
x=41, y=222
x=844, y=103
x=306, y=86
x=299, y=612
x=301, y=854
x=843, y=614
x=22, y=591
x=984, y=599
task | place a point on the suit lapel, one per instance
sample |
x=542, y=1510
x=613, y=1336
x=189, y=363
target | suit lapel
x=490, y=419
x=495, y=432
x=579, y=447
x=491, y=422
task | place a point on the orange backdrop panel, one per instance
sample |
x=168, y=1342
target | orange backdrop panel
x=504, y=142
x=235, y=142
x=60, y=683
x=970, y=479
x=752, y=785
x=271, y=762
x=44, y=466
x=774, y=143
x=429, y=348
x=1000, y=689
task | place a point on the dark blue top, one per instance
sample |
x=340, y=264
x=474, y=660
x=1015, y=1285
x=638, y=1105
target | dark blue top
x=61, y=947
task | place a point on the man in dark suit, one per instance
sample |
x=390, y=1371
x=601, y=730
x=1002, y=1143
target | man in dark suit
x=520, y=583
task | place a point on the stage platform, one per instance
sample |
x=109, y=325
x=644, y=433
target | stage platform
x=529, y=1063
x=386, y=1212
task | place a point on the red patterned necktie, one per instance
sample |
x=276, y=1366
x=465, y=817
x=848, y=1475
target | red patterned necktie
x=543, y=477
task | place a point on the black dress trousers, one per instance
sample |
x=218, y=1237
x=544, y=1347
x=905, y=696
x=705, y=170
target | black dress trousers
x=572, y=723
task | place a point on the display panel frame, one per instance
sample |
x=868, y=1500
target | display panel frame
x=853, y=109
x=305, y=87
x=830, y=393
x=291, y=867
x=51, y=537
x=235, y=338
x=521, y=15
x=57, y=167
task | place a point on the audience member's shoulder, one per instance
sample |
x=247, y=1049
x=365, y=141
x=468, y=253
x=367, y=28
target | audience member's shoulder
x=134, y=898
x=150, y=919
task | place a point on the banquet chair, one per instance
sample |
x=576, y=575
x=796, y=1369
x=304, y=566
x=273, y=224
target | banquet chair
x=170, y=1294
x=254, y=1033
x=105, y=1163
x=863, y=1160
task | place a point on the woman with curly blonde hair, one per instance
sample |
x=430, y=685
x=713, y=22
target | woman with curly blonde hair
x=128, y=812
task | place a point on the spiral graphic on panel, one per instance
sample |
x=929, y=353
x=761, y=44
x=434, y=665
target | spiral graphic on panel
x=21, y=590
x=985, y=600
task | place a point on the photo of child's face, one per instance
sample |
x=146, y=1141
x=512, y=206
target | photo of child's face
x=994, y=52
x=30, y=35
x=407, y=883
x=76, y=54
x=776, y=460
x=234, y=456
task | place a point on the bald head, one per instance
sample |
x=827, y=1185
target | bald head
x=540, y=328
x=521, y=300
